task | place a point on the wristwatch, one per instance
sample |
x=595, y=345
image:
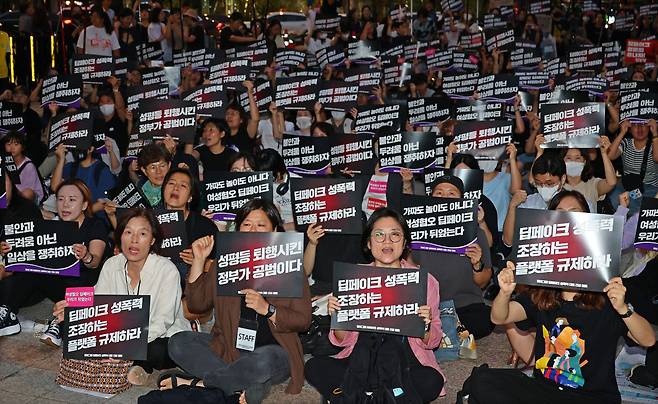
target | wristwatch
x=630, y=311
x=270, y=311
x=480, y=267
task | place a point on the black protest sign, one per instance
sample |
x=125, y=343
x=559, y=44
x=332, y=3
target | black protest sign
x=441, y=224
x=398, y=13
x=210, y=99
x=65, y=91
x=572, y=125
x=414, y=150
x=395, y=74
x=638, y=106
x=555, y=67
x=460, y=85
x=522, y=57
x=74, y=129
x=366, y=77
x=452, y=5
x=590, y=6
x=382, y=300
x=256, y=53
x=476, y=110
x=135, y=146
x=135, y=94
x=428, y=111
x=154, y=75
x=493, y=21
x=612, y=54
x=93, y=69
x=331, y=55
x=473, y=180
x=120, y=67
x=333, y=203
x=373, y=118
x=540, y=7
x=225, y=192
x=231, y=73
x=174, y=235
x=501, y=40
x=471, y=41
x=199, y=59
x=354, y=153
x=624, y=22
x=499, y=87
x=441, y=60
x=337, y=95
x=563, y=97
x=593, y=85
x=646, y=235
x=532, y=80
x=115, y=327
x=642, y=86
x=294, y=93
x=397, y=51
x=9, y=167
x=288, y=58
x=566, y=250
x=306, y=155
x=42, y=247
x=327, y=24
x=150, y=51
x=128, y=196
x=485, y=139
x=270, y=263
x=176, y=118
x=586, y=59
x=615, y=76
x=262, y=93
x=11, y=117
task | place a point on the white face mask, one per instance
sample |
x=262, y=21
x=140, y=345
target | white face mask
x=338, y=115
x=488, y=166
x=393, y=34
x=107, y=109
x=548, y=192
x=304, y=122
x=574, y=168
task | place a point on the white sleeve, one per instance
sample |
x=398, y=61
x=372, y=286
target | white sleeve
x=81, y=38
x=164, y=303
x=115, y=41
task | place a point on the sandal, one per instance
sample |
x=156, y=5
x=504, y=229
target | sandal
x=174, y=375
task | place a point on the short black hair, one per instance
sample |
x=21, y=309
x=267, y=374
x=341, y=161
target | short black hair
x=271, y=160
x=126, y=12
x=266, y=206
x=467, y=159
x=237, y=16
x=370, y=225
x=221, y=124
x=150, y=218
x=152, y=153
x=242, y=155
x=14, y=136
x=555, y=201
x=549, y=164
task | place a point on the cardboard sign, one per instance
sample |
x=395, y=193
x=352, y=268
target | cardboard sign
x=354, y=153
x=460, y=85
x=135, y=94
x=79, y=297
x=485, y=140
x=638, y=106
x=476, y=110
x=11, y=118
x=382, y=300
x=225, y=192
x=373, y=118
x=128, y=196
x=428, y=111
x=115, y=327
x=414, y=150
x=566, y=250
x=74, y=129
x=306, y=155
x=586, y=59
x=572, y=125
x=646, y=235
x=296, y=94
x=441, y=224
x=93, y=69
x=176, y=118
x=65, y=91
x=473, y=180
x=42, y=246
x=336, y=95
x=333, y=203
x=231, y=73
x=210, y=99
x=638, y=51
x=174, y=235
x=262, y=93
x=270, y=263
x=501, y=40
x=555, y=67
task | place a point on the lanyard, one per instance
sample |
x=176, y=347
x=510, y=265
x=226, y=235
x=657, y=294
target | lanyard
x=125, y=274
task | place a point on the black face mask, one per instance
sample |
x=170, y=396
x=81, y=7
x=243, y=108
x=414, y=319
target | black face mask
x=79, y=155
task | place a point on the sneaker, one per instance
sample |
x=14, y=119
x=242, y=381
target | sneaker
x=9, y=324
x=641, y=376
x=51, y=335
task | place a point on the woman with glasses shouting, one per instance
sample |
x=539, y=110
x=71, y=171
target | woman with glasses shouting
x=386, y=242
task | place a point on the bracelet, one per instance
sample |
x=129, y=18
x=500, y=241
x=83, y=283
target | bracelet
x=90, y=261
x=480, y=269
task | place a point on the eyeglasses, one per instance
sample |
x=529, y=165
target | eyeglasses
x=157, y=166
x=380, y=236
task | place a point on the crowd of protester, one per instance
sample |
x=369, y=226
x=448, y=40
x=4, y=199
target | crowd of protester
x=119, y=251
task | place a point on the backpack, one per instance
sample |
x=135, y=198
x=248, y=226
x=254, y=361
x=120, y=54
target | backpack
x=44, y=188
x=378, y=373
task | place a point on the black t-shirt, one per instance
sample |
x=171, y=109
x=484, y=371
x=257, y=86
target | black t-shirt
x=576, y=348
x=197, y=226
x=199, y=41
x=118, y=130
x=92, y=228
x=242, y=141
x=225, y=38
x=215, y=162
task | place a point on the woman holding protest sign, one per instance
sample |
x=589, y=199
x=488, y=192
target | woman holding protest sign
x=386, y=240
x=243, y=127
x=73, y=205
x=212, y=360
x=137, y=270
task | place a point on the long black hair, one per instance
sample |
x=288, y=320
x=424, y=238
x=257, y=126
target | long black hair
x=106, y=19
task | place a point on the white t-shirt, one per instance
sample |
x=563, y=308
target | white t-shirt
x=98, y=41
x=155, y=32
x=267, y=137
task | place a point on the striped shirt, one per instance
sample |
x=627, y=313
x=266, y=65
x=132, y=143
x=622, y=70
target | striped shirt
x=632, y=159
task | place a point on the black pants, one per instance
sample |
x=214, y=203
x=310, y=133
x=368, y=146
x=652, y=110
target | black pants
x=477, y=319
x=511, y=386
x=326, y=374
x=157, y=356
